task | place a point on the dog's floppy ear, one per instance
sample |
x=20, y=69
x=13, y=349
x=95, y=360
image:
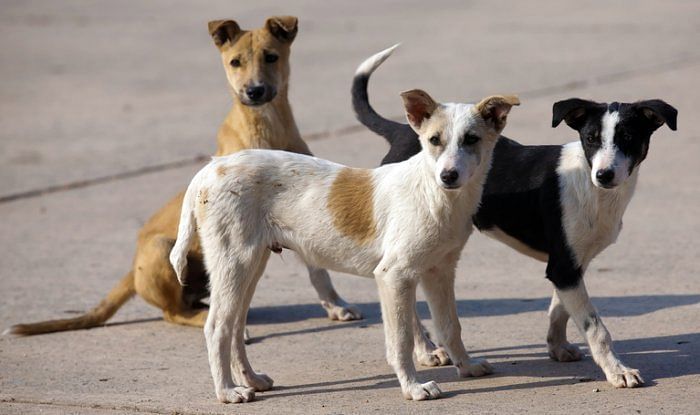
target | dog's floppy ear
x=419, y=107
x=658, y=112
x=223, y=31
x=572, y=111
x=284, y=28
x=495, y=109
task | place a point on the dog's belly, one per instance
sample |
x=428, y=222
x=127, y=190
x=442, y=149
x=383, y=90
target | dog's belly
x=497, y=234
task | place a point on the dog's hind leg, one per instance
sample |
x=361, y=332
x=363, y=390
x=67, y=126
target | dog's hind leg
x=440, y=293
x=557, y=345
x=156, y=282
x=334, y=305
x=579, y=306
x=242, y=371
x=427, y=353
x=233, y=277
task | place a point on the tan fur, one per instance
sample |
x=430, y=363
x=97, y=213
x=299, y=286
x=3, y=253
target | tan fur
x=271, y=127
x=350, y=202
x=490, y=108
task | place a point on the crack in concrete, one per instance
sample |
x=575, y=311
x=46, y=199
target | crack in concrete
x=604, y=79
x=116, y=408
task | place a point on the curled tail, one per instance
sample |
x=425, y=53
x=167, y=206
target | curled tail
x=119, y=295
x=390, y=130
x=186, y=229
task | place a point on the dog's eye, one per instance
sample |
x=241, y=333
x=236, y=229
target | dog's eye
x=591, y=139
x=236, y=63
x=435, y=140
x=470, y=139
x=271, y=58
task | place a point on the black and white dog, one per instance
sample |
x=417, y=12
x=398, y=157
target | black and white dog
x=559, y=204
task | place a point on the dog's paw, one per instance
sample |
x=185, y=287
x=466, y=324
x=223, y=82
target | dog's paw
x=624, y=377
x=435, y=357
x=565, y=352
x=341, y=311
x=246, y=336
x=474, y=368
x=422, y=391
x=238, y=394
x=258, y=381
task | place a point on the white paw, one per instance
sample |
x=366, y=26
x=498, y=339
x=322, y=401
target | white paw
x=565, y=352
x=420, y=392
x=246, y=336
x=624, y=377
x=238, y=394
x=258, y=381
x=435, y=357
x=474, y=368
x=341, y=311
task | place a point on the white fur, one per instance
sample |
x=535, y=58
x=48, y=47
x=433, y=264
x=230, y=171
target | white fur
x=373, y=62
x=272, y=198
x=579, y=306
x=609, y=156
x=591, y=216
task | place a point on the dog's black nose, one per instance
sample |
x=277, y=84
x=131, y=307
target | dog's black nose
x=605, y=177
x=449, y=177
x=255, y=92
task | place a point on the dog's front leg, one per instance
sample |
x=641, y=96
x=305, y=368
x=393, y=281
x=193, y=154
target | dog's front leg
x=397, y=295
x=439, y=290
x=579, y=306
x=558, y=346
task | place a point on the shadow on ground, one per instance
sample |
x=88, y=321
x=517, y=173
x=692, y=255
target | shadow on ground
x=608, y=306
x=656, y=357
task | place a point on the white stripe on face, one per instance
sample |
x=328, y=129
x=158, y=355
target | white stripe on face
x=609, y=156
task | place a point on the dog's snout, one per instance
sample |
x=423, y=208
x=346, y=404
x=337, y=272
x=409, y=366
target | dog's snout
x=449, y=177
x=255, y=92
x=605, y=176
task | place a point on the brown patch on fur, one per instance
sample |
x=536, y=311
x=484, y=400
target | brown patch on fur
x=221, y=170
x=351, y=202
x=202, y=200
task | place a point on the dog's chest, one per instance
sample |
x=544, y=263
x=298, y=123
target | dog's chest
x=592, y=217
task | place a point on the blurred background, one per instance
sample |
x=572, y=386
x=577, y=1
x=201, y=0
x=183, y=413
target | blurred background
x=107, y=108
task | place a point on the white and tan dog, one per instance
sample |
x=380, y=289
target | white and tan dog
x=351, y=220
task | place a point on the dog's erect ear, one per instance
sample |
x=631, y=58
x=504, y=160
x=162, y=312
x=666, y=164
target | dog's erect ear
x=223, y=31
x=284, y=28
x=572, y=111
x=495, y=109
x=419, y=107
x=658, y=112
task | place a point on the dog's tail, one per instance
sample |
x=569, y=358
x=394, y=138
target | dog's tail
x=364, y=112
x=119, y=295
x=187, y=229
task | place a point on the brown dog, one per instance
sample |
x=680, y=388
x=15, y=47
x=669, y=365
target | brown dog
x=257, y=67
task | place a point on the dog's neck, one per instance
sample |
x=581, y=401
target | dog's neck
x=270, y=125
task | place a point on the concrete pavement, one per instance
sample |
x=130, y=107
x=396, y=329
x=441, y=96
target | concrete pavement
x=122, y=97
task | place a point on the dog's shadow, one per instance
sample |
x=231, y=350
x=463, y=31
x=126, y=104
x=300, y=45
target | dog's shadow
x=628, y=306
x=657, y=357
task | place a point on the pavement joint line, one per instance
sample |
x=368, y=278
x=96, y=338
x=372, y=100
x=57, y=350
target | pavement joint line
x=604, y=79
x=116, y=408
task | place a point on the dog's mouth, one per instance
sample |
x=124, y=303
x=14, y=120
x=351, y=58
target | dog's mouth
x=248, y=101
x=605, y=186
x=450, y=186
